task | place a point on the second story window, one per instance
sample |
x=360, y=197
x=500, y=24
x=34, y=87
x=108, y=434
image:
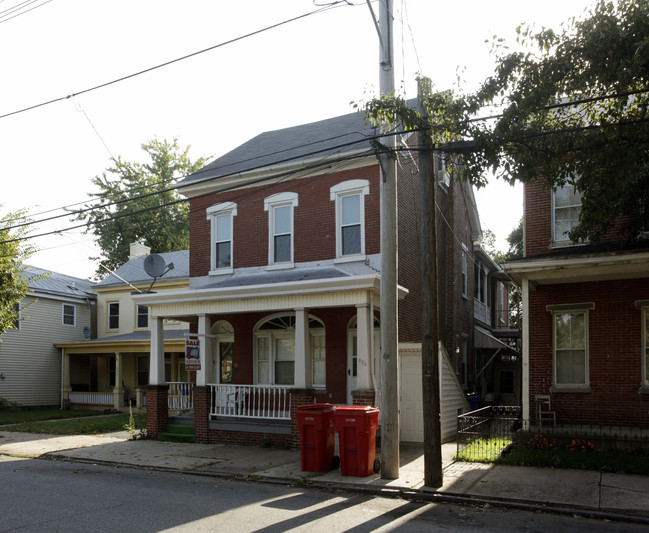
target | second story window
x=280, y=228
x=142, y=318
x=113, y=315
x=16, y=316
x=221, y=220
x=69, y=315
x=443, y=175
x=465, y=271
x=350, y=217
x=566, y=207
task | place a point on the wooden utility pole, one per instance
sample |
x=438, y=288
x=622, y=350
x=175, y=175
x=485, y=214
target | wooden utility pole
x=389, y=265
x=429, y=316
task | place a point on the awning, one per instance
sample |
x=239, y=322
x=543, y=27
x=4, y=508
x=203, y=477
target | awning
x=484, y=339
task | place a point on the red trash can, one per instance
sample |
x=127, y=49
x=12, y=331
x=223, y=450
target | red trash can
x=317, y=436
x=356, y=426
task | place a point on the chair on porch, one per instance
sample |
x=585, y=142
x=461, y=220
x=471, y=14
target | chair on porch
x=544, y=410
x=230, y=401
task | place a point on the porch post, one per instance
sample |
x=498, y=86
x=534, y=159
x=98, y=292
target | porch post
x=157, y=358
x=525, y=367
x=118, y=390
x=205, y=374
x=67, y=389
x=302, y=369
x=364, y=332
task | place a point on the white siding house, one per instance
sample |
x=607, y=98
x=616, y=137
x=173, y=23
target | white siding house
x=57, y=308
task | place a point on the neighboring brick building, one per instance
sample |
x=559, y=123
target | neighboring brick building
x=285, y=283
x=586, y=316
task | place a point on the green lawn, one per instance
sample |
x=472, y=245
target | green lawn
x=547, y=454
x=55, y=422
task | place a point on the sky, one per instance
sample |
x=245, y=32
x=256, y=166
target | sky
x=301, y=71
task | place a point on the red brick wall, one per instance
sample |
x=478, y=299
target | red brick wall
x=538, y=221
x=314, y=220
x=614, y=351
x=156, y=410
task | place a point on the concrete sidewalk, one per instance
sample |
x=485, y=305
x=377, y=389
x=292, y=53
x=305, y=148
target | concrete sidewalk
x=575, y=491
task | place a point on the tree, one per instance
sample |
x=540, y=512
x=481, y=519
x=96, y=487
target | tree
x=575, y=110
x=13, y=255
x=138, y=203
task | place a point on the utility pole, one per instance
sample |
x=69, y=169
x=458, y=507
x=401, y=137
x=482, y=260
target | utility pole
x=389, y=265
x=433, y=476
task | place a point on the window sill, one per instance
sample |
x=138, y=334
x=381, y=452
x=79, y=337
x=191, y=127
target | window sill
x=644, y=389
x=221, y=271
x=570, y=388
x=280, y=266
x=350, y=259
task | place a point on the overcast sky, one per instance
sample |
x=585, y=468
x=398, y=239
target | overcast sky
x=298, y=72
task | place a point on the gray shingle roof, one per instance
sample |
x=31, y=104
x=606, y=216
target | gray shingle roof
x=281, y=276
x=58, y=284
x=133, y=270
x=306, y=141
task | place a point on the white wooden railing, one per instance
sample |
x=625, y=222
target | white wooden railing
x=92, y=398
x=269, y=402
x=181, y=396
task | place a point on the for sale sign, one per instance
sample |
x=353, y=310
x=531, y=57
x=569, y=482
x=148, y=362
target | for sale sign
x=192, y=353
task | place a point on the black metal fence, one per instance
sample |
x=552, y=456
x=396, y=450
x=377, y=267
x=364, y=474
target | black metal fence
x=485, y=434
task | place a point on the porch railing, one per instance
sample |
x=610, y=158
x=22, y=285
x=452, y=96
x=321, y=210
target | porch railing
x=269, y=402
x=181, y=396
x=92, y=398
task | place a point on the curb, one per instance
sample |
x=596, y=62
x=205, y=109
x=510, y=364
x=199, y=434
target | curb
x=422, y=495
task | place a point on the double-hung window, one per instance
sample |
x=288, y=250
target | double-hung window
x=566, y=207
x=280, y=228
x=142, y=317
x=643, y=305
x=221, y=220
x=570, y=345
x=69, y=315
x=113, y=315
x=465, y=271
x=350, y=218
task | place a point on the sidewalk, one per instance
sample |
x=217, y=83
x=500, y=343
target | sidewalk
x=574, y=491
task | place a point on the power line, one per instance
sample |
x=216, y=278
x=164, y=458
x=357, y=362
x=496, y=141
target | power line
x=12, y=10
x=171, y=62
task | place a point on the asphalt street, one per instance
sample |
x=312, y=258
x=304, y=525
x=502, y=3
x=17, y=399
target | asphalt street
x=50, y=495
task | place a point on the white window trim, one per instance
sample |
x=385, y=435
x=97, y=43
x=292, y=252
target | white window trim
x=74, y=315
x=443, y=175
x=281, y=199
x=336, y=193
x=137, y=315
x=565, y=241
x=213, y=212
x=273, y=334
x=571, y=308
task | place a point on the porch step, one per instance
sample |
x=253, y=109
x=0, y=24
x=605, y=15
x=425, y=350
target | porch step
x=177, y=433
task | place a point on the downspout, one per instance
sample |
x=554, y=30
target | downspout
x=62, y=376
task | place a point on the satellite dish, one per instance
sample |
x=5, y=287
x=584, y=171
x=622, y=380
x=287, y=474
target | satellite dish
x=154, y=265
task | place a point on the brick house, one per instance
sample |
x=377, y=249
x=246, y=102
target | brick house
x=285, y=284
x=586, y=316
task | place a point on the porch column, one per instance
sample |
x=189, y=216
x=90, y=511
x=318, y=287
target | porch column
x=206, y=373
x=302, y=369
x=67, y=389
x=525, y=367
x=157, y=357
x=118, y=391
x=364, y=361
